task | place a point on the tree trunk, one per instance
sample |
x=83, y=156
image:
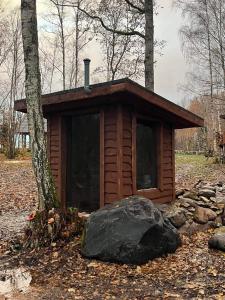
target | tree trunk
x=46, y=188
x=63, y=51
x=77, y=45
x=149, y=45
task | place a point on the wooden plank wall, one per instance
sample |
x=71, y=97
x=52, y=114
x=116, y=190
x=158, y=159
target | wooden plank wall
x=127, y=185
x=168, y=167
x=117, y=172
x=166, y=192
x=110, y=154
x=54, y=149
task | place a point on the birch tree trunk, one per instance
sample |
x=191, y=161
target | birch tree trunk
x=145, y=9
x=46, y=188
x=149, y=45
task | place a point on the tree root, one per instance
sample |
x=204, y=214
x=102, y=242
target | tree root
x=46, y=227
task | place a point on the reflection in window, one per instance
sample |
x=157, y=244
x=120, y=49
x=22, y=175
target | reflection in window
x=146, y=156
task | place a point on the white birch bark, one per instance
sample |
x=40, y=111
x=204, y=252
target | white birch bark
x=46, y=188
x=149, y=45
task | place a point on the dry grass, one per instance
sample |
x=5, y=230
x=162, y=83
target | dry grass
x=191, y=168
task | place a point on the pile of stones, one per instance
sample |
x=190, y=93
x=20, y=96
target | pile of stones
x=198, y=208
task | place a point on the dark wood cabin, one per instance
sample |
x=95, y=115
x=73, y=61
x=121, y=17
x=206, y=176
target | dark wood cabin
x=111, y=141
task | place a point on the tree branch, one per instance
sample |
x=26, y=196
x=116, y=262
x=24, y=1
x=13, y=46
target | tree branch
x=94, y=17
x=140, y=10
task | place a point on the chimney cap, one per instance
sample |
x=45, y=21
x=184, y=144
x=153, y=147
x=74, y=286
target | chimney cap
x=87, y=60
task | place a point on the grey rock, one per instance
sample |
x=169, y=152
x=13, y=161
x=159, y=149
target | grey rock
x=220, y=199
x=220, y=206
x=203, y=215
x=213, y=199
x=218, y=220
x=186, y=202
x=204, y=199
x=217, y=241
x=209, y=187
x=179, y=192
x=177, y=218
x=130, y=231
x=189, y=214
x=214, y=208
x=191, y=209
x=219, y=212
x=203, y=204
x=192, y=227
x=191, y=195
x=163, y=208
x=207, y=193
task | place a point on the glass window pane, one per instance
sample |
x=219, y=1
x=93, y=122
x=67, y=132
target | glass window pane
x=146, y=156
x=83, y=167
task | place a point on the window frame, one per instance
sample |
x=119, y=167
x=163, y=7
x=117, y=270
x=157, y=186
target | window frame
x=159, y=150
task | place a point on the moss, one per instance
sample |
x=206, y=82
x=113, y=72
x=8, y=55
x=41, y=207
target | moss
x=53, y=194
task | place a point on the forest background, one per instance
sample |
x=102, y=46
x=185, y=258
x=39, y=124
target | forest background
x=189, y=59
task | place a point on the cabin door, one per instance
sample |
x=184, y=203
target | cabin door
x=83, y=162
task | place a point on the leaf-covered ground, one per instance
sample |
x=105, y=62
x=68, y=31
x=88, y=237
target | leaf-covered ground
x=18, y=197
x=59, y=272
x=191, y=168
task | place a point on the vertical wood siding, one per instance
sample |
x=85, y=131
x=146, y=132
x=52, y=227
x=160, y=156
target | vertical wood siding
x=166, y=191
x=118, y=166
x=127, y=153
x=54, y=149
x=168, y=164
x=110, y=154
x=117, y=157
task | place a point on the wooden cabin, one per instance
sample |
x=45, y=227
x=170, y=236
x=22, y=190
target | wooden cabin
x=23, y=134
x=110, y=141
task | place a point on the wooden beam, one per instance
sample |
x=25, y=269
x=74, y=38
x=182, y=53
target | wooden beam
x=102, y=158
x=120, y=150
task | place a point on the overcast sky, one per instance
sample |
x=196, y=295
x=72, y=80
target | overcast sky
x=171, y=67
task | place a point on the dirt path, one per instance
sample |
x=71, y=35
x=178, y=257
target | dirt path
x=17, y=197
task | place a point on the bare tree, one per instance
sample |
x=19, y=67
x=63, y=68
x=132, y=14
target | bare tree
x=59, y=5
x=79, y=39
x=46, y=188
x=123, y=55
x=203, y=39
x=12, y=79
x=142, y=12
x=63, y=37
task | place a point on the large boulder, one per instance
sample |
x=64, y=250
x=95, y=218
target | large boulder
x=130, y=231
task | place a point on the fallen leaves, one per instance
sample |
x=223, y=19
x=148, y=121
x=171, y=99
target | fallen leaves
x=17, y=197
x=60, y=272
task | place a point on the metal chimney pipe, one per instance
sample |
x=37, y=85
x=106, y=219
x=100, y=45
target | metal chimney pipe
x=87, y=74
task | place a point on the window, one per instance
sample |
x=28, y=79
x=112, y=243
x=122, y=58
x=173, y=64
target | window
x=146, y=154
x=83, y=165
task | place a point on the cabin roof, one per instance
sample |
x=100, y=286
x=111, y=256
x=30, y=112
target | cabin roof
x=182, y=118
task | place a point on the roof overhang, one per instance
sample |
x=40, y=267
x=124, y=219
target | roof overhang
x=183, y=117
